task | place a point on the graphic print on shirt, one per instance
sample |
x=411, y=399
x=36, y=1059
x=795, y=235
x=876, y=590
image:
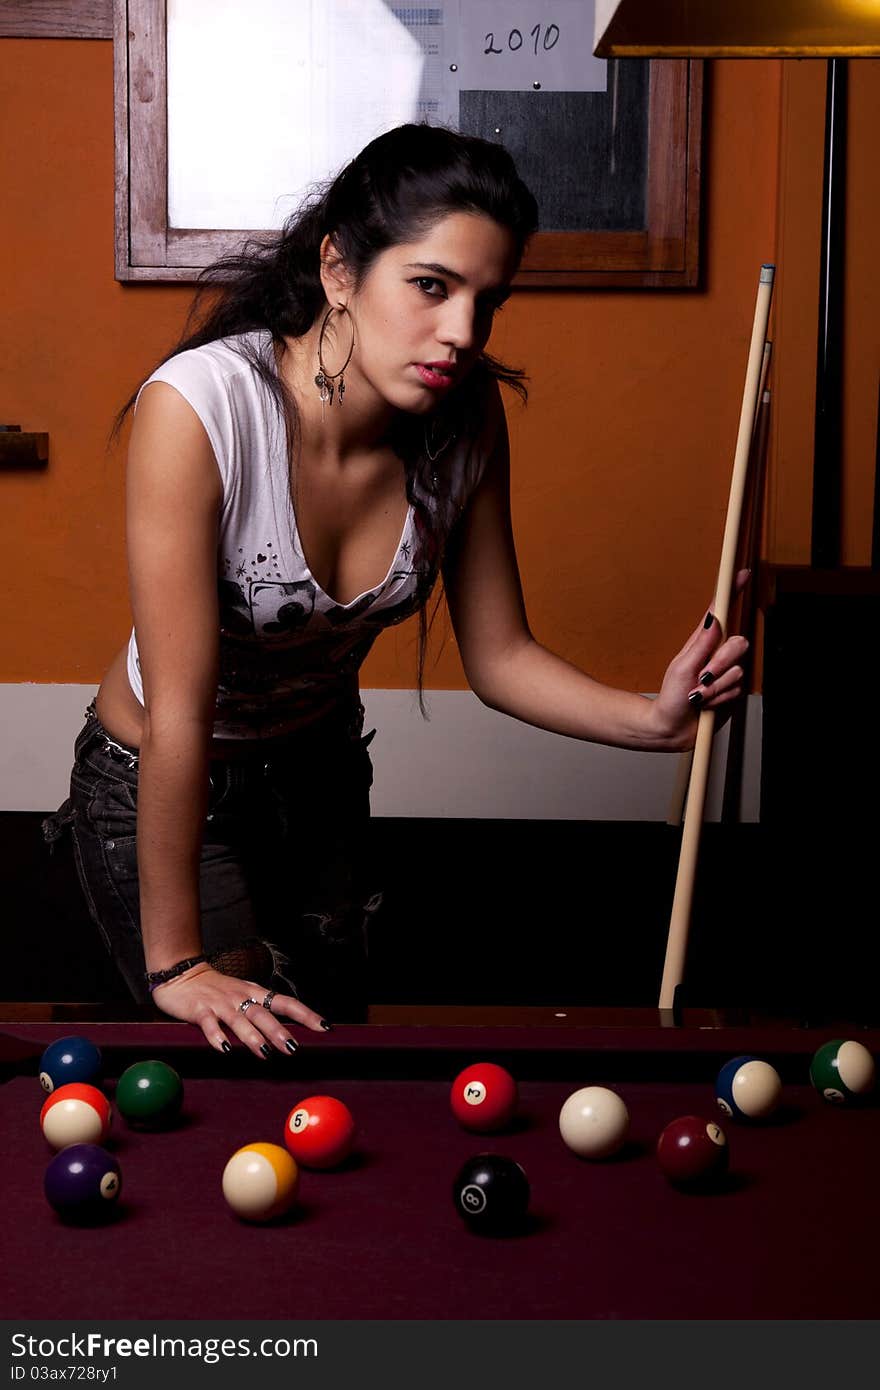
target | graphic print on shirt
x=240, y=566
x=279, y=607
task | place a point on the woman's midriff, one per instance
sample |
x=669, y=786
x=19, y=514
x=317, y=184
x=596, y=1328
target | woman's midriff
x=117, y=708
x=122, y=715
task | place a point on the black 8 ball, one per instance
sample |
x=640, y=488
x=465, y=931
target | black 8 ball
x=491, y=1193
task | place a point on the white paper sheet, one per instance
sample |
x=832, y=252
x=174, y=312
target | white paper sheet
x=528, y=45
x=260, y=110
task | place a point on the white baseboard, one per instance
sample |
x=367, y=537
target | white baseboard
x=465, y=761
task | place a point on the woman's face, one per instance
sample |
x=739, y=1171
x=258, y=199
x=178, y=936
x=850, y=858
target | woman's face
x=425, y=310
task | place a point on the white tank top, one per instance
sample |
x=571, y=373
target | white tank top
x=289, y=654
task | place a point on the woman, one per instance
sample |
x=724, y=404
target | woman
x=328, y=440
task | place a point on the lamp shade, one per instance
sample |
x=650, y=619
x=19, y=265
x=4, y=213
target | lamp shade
x=737, y=28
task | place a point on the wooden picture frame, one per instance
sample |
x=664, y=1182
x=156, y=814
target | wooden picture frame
x=664, y=253
x=56, y=19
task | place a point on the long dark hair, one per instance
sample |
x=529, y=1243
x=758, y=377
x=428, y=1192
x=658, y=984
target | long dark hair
x=399, y=186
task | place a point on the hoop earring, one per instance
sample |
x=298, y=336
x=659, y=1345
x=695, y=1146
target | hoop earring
x=324, y=379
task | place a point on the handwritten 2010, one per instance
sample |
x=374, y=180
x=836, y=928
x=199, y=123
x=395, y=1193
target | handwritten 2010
x=515, y=40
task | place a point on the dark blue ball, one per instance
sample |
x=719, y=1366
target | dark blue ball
x=70, y=1059
x=83, y=1183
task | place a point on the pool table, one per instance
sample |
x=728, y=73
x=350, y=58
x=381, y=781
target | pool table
x=791, y=1233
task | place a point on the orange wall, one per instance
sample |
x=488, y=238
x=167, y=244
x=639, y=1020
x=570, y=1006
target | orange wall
x=621, y=462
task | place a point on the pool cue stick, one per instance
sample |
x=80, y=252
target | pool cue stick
x=685, y=759
x=733, y=773
x=679, y=925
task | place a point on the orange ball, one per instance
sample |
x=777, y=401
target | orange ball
x=260, y=1182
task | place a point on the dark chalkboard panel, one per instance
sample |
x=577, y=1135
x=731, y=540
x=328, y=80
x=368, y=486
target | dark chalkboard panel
x=584, y=155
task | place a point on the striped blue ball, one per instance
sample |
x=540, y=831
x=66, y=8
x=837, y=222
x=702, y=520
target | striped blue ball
x=748, y=1088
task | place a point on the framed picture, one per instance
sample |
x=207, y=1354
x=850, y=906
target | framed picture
x=224, y=118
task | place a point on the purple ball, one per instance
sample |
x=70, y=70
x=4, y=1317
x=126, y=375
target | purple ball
x=83, y=1182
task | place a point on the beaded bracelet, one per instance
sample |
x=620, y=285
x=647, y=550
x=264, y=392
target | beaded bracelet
x=155, y=978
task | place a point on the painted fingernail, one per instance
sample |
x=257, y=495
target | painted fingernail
x=709, y=620
x=291, y=1045
x=328, y=1027
x=706, y=678
x=266, y=1050
x=227, y=1047
x=695, y=699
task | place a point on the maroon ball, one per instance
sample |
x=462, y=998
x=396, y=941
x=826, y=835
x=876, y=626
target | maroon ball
x=692, y=1150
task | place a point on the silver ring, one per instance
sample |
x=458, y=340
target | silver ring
x=267, y=1002
x=245, y=1005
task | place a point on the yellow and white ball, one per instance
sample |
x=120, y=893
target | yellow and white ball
x=260, y=1182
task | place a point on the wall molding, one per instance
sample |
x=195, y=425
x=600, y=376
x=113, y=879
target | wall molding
x=465, y=761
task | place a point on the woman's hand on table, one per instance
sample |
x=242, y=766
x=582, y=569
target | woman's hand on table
x=212, y=1001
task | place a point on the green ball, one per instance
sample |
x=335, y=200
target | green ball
x=149, y=1095
x=842, y=1071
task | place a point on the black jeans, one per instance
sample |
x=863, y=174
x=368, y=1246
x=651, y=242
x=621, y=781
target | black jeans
x=283, y=880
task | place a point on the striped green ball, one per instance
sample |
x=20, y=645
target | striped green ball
x=842, y=1071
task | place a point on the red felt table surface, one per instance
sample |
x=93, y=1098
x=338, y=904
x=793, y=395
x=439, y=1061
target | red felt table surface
x=791, y=1234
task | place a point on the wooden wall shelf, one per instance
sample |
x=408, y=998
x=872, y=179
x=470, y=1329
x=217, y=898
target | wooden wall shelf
x=22, y=449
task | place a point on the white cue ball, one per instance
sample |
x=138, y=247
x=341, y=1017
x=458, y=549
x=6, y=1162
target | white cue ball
x=594, y=1122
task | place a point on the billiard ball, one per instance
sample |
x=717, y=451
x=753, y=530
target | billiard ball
x=842, y=1071
x=82, y=1183
x=483, y=1097
x=748, y=1088
x=149, y=1095
x=260, y=1182
x=75, y=1114
x=594, y=1122
x=320, y=1132
x=692, y=1151
x=69, y=1059
x=491, y=1193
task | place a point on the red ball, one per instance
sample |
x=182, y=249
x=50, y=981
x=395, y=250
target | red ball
x=320, y=1132
x=691, y=1150
x=76, y=1113
x=484, y=1097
